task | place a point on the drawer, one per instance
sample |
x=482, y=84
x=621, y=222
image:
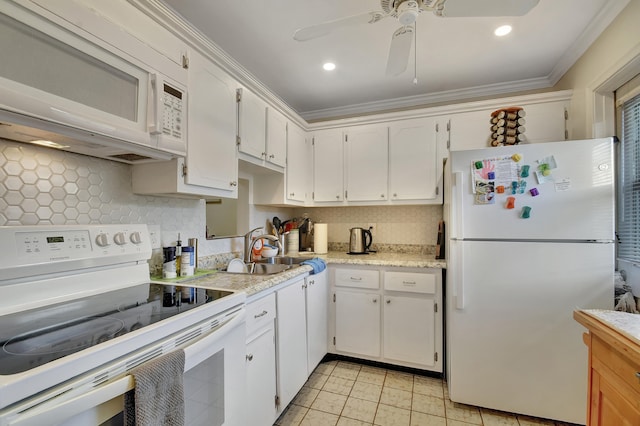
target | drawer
x=261, y=313
x=358, y=278
x=411, y=282
x=619, y=365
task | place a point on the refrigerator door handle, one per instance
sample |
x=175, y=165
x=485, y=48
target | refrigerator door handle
x=457, y=189
x=457, y=248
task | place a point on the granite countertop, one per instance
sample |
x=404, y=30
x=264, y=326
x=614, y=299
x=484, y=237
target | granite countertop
x=623, y=322
x=253, y=284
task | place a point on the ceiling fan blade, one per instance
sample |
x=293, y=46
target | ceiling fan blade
x=471, y=8
x=399, y=51
x=320, y=30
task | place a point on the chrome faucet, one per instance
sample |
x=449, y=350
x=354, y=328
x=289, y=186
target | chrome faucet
x=248, y=246
x=266, y=237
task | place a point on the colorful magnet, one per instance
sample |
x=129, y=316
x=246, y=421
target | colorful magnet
x=511, y=203
x=546, y=172
x=516, y=157
x=526, y=212
x=534, y=192
x=478, y=165
x=524, y=172
x=500, y=189
x=523, y=186
x=514, y=187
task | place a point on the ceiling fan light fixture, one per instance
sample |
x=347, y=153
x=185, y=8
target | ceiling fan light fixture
x=503, y=30
x=408, y=12
x=329, y=66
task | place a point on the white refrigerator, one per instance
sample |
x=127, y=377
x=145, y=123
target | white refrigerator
x=526, y=247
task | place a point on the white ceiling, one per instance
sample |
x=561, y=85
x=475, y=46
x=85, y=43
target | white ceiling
x=458, y=58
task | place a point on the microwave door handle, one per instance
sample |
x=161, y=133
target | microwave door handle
x=56, y=410
x=154, y=104
x=202, y=349
x=82, y=122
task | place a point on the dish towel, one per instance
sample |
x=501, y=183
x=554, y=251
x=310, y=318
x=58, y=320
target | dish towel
x=158, y=398
x=316, y=263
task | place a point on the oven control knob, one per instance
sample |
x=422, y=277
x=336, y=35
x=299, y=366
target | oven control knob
x=120, y=239
x=102, y=240
x=135, y=237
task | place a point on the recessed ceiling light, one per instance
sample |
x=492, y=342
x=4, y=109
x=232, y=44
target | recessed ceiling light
x=503, y=30
x=329, y=66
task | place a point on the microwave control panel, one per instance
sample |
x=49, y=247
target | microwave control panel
x=173, y=111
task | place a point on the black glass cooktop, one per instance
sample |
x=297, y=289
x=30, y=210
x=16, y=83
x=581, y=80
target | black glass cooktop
x=33, y=338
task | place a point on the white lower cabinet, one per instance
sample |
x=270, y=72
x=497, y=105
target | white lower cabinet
x=261, y=361
x=301, y=334
x=386, y=314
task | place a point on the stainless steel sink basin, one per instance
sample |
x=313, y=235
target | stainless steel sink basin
x=256, y=268
x=282, y=260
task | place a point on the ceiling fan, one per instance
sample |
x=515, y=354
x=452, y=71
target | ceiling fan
x=407, y=11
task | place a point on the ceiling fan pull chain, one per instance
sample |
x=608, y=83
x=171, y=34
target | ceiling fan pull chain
x=415, y=53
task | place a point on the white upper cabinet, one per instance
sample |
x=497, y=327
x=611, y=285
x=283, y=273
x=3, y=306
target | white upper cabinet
x=328, y=166
x=276, y=144
x=414, y=166
x=211, y=149
x=470, y=130
x=546, y=122
x=299, y=156
x=252, y=124
x=367, y=162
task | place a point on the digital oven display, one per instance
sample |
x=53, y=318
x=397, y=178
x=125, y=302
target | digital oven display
x=51, y=240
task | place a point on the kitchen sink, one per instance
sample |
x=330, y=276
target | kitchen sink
x=282, y=260
x=256, y=268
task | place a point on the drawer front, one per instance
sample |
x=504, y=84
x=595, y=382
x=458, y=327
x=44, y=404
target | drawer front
x=411, y=282
x=358, y=278
x=261, y=313
x=619, y=364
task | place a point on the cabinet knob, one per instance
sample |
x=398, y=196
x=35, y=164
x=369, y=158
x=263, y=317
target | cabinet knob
x=233, y=183
x=250, y=357
x=395, y=195
x=375, y=300
x=272, y=156
x=264, y=154
x=381, y=195
x=388, y=301
x=338, y=197
x=311, y=282
x=292, y=194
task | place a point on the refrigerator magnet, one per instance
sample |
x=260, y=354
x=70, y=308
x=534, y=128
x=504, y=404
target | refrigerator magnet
x=526, y=212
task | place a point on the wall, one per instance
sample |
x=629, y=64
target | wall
x=617, y=46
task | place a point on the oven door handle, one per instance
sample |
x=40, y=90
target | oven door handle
x=63, y=410
x=202, y=349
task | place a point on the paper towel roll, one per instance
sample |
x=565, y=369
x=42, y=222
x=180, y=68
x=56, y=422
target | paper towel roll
x=320, y=238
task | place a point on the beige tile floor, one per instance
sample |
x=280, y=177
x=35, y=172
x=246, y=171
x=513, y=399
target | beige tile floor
x=348, y=394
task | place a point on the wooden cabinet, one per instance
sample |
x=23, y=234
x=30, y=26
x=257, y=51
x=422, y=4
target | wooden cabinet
x=415, y=169
x=398, y=322
x=210, y=168
x=614, y=374
x=367, y=163
x=328, y=166
x=317, y=300
x=291, y=341
x=261, y=361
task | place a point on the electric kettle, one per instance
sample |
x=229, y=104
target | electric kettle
x=360, y=241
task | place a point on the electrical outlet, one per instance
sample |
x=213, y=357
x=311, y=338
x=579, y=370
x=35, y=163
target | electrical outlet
x=371, y=227
x=155, y=236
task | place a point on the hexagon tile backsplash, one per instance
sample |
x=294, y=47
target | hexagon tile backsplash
x=45, y=186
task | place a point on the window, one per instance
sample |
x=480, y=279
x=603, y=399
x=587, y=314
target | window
x=628, y=224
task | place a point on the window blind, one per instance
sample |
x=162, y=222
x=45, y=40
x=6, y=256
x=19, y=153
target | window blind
x=629, y=183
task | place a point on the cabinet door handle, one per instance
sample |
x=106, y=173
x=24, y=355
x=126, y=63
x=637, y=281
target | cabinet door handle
x=312, y=282
x=355, y=278
x=409, y=282
x=261, y=314
x=272, y=156
x=250, y=357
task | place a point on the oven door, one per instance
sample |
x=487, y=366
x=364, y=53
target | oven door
x=214, y=386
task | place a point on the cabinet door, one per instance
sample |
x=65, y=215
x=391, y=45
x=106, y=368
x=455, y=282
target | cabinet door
x=252, y=116
x=470, y=130
x=292, y=341
x=298, y=164
x=328, y=166
x=409, y=329
x=357, y=322
x=276, y=138
x=367, y=163
x=211, y=149
x=261, y=379
x=413, y=162
x=317, y=318
x=545, y=122
x=608, y=406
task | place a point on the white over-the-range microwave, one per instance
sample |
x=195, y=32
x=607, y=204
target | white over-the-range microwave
x=64, y=87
